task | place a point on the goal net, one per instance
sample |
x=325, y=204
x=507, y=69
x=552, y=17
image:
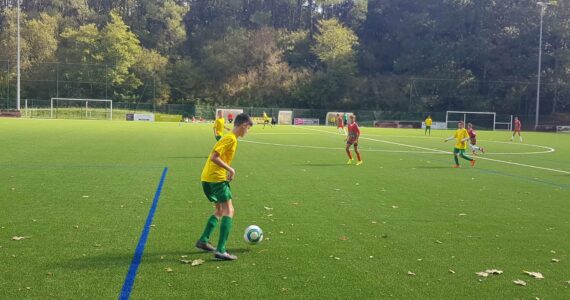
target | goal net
x=227, y=111
x=332, y=115
x=73, y=108
x=285, y=117
x=480, y=119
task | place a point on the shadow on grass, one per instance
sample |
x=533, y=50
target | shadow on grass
x=432, y=167
x=121, y=260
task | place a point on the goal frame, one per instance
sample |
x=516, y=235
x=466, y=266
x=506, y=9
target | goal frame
x=465, y=113
x=87, y=100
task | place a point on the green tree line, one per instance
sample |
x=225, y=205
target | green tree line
x=394, y=55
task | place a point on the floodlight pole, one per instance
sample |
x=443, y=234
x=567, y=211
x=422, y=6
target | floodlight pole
x=543, y=6
x=18, y=55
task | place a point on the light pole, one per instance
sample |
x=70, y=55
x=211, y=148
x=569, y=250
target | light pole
x=18, y=82
x=543, y=6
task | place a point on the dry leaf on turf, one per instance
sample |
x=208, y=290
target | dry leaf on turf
x=536, y=275
x=482, y=274
x=268, y=208
x=395, y=206
x=519, y=282
x=343, y=238
x=451, y=271
x=438, y=242
x=555, y=260
x=568, y=281
x=197, y=262
x=411, y=273
x=169, y=270
x=494, y=272
x=185, y=261
x=18, y=238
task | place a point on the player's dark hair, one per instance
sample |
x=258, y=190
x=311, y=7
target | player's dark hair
x=242, y=119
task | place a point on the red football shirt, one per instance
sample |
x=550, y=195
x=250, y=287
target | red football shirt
x=518, y=124
x=353, y=131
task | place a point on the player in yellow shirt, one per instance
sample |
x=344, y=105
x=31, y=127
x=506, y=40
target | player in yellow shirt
x=428, y=122
x=216, y=177
x=219, y=126
x=461, y=136
x=266, y=120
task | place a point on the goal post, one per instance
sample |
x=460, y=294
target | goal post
x=227, y=111
x=331, y=117
x=285, y=117
x=77, y=108
x=481, y=119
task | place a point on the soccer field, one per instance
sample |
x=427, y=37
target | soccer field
x=404, y=225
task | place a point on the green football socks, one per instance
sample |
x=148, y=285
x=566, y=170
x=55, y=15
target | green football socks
x=225, y=229
x=210, y=226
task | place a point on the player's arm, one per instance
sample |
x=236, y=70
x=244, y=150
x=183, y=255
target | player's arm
x=215, y=158
x=449, y=138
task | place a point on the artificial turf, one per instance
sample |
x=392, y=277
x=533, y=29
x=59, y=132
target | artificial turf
x=79, y=192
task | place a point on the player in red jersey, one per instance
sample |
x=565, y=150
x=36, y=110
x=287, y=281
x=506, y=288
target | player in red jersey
x=352, y=139
x=473, y=139
x=340, y=124
x=518, y=126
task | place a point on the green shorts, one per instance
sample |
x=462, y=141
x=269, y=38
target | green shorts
x=458, y=151
x=217, y=191
x=218, y=137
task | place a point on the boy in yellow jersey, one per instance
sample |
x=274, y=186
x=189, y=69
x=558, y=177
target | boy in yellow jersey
x=266, y=120
x=219, y=126
x=428, y=122
x=216, y=177
x=461, y=137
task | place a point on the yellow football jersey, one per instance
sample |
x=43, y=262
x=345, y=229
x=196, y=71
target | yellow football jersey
x=226, y=148
x=460, y=134
x=219, y=126
x=428, y=122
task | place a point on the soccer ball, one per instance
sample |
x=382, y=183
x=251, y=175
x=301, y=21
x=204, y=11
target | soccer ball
x=253, y=234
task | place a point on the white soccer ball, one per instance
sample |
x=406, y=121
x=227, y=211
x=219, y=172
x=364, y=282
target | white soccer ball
x=253, y=234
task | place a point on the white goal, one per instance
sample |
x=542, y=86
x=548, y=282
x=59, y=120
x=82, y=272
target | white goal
x=227, y=111
x=285, y=117
x=74, y=108
x=481, y=119
x=331, y=117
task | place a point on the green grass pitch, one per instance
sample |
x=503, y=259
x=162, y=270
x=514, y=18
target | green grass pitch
x=79, y=193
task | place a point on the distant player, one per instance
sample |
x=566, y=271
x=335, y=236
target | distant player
x=219, y=126
x=273, y=121
x=428, y=122
x=461, y=137
x=473, y=140
x=352, y=139
x=517, y=129
x=339, y=124
x=266, y=120
x=230, y=118
x=216, y=177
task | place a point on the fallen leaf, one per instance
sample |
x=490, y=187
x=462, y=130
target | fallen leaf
x=168, y=270
x=18, y=238
x=374, y=222
x=555, y=260
x=519, y=282
x=536, y=275
x=395, y=206
x=411, y=273
x=183, y=256
x=482, y=274
x=97, y=245
x=494, y=272
x=49, y=274
x=438, y=242
x=185, y=261
x=568, y=281
x=76, y=226
x=197, y=262
x=462, y=214
x=85, y=196
x=343, y=238
x=268, y=208
x=337, y=258
x=451, y=271
x=270, y=215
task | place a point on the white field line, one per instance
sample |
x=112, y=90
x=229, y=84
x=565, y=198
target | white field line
x=441, y=151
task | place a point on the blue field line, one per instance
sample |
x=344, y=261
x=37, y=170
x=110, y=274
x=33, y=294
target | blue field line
x=130, y=279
